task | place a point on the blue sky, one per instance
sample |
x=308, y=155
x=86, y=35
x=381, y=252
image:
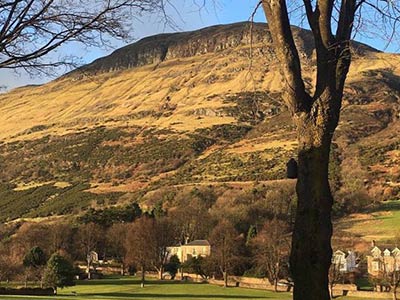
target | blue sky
x=190, y=18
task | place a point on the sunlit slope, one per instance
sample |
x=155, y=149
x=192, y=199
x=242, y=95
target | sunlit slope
x=201, y=108
x=182, y=94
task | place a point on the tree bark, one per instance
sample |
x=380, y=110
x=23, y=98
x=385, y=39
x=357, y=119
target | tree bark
x=142, y=278
x=316, y=117
x=311, y=242
x=225, y=274
x=88, y=269
x=160, y=273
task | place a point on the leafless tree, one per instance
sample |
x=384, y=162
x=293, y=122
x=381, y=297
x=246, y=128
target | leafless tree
x=115, y=240
x=226, y=243
x=147, y=244
x=30, y=235
x=60, y=237
x=192, y=220
x=271, y=250
x=316, y=116
x=138, y=245
x=9, y=264
x=165, y=235
x=31, y=29
x=395, y=282
x=390, y=276
x=335, y=276
x=89, y=237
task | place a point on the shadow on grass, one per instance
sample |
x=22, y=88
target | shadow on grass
x=123, y=281
x=176, y=296
x=393, y=206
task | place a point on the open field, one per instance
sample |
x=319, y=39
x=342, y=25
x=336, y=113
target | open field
x=129, y=288
x=380, y=225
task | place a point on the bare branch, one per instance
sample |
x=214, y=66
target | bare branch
x=279, y=26
x=30, y=29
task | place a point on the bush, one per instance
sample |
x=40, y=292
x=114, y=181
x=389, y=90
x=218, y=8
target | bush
x=173, y=266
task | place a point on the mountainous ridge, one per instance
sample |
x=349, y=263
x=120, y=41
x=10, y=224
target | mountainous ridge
x=161, y=47
x=121, y=130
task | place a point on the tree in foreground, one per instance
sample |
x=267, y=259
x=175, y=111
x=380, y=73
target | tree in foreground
x=316, y=115
x=31, y=29
x=59, y=273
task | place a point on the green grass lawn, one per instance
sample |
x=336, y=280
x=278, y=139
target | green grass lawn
x=381, y=224
x=390, y=221
x=129, y=288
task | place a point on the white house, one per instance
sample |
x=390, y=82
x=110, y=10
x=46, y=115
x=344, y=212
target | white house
x=345, y=262
x=385, y=261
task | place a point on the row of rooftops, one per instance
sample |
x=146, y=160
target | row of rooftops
x=376, y=252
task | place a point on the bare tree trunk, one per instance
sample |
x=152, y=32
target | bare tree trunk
x=88, y=267
x=311, y=243
x=225, y=274
x=143, y=279
x=160, y=273
x=316, y=117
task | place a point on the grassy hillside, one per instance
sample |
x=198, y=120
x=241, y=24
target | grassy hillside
x=380, y=225
x=106, y=135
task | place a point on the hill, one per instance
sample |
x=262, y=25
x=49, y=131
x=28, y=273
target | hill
x=174, y=112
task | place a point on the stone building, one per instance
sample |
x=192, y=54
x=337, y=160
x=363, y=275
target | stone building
x=195, y=248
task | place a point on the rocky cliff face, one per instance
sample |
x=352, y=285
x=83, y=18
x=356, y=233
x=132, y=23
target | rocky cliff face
x=163, y=47
x=158, y=48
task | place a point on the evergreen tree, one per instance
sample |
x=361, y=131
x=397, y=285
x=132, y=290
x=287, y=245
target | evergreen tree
x=59, y=273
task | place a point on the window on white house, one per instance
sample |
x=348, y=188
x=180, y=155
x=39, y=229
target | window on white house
x=375, y=266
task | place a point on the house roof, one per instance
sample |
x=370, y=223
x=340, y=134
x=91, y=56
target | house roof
x=339, y=252
x=198, y=243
